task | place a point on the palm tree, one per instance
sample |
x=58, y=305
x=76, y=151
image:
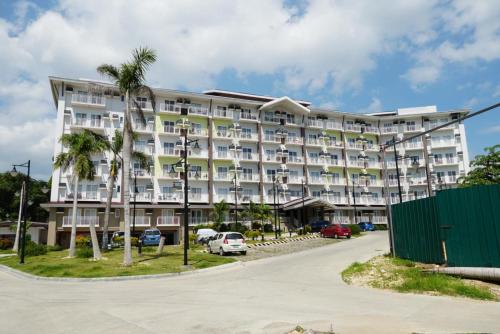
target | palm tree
x=81, y=146
x=115, y=147
x=251, y=212
x=220, y=211
x=130, y=79
x=263, y=213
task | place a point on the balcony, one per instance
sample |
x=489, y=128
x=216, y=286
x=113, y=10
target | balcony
x=371, y=129
x=272, y=139
x=141, y=174
x=333, y=125
x=340, y=220
x=145, y=128
x=222, y=155
x=146, y=149
x=248, y=136
x=271, y=119
x=315, y=123
x=352, y=127
x=247, y=177
x=196, y=175
x=197, y=197
x=374, y=183
x=141, y=196
x=413, y=128
x=334, y=162
x=86, y=196
x=374, y=164
x=379, y=219
x=435, y=125
x=88, y=99
x=250, y=198
x=314, y=141
x=219, y=113
x=81, y=221
x=226, y=198
x=95, y=124
x=294, y=160
x=337, y=181
x=355, y=163
x=140, y=221
x=249, y=156
x=198, y=110
x=249, y=116
x=414, y=145
x=168, y=221
x=314, y=161
x=170, y=130
x=442, y=143
x=354, y=146
x=316, y=180
x=170, y=197
x=445, y=161
x=198, y=132
x=171, y=108
x=389, y=129
x=294, y=140
x=145, y=105
x=222, y=134
x=272, y=158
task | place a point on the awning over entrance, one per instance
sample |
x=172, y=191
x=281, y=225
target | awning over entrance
x=310, y=202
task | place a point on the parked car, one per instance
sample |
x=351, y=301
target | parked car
x=116, y=239
x=318, y=225
x=227, y=242
x=203, y=234
x=336, y=231
x=150, y=237
x=366, y=226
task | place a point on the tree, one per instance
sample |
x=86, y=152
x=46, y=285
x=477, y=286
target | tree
x=485, y=169
x=115, y=147
x=251, y=212
x=81, y=146
x=263, y=214
x=130, y=79
x=220, y=212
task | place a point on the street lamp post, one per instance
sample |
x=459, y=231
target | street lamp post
x=303, y=204
x=275, y=208
x=25, y=205
x=397, y=169
x=135, y=194
x=235, y=183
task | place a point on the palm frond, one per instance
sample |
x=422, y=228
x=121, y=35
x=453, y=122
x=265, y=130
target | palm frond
x=140, y=112
x=142, y=159
x=146, y=90
x=110, y=71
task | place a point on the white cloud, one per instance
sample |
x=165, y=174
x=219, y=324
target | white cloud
x=472, y=31
x=493, y=129
x=374, y=107
x=325, y=43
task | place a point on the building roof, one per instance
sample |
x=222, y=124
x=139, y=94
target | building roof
x=285, y=102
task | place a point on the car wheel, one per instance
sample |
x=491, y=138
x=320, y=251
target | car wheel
x=348, y=237
x=221, y=252
x=244, y=253
x=321, y=235
x=336, y=236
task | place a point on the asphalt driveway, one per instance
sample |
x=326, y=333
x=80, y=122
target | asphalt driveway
x=271, y=295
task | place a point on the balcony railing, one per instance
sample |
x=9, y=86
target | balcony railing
x=389, y=129
x=95, y=100
x=168, y=221
x=379, y=219
x=144, y=149
x=86, y=195
x=198, y=175
x=356, y=146
x=442, y=143
x=249, y=156
x=149, y=127
x=223, y=113
x=412, y=128
x=249, y=177
x=171, y=130
x=294, y=140
x=198, y=132
x=315, y=123
x=198, y=110
x=414, y=145
x=81, y=221
x=352, y=127
x=89, y=123
x=340, y=220
x=145, y=105
x=247, y=136
x=333, y=125
x=293, y=159
x=141, y=221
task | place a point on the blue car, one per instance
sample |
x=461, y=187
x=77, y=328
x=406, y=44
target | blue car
x=366, y=226
x=318, y=225
x=151, y=237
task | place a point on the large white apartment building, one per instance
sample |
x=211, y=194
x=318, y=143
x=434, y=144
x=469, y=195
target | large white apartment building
x=316, y=155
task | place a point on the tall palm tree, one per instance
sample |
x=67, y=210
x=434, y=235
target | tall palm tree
x=251, y=212
x=264, y=213
x=115, y=148
x=130, y=79
x=220, y=211
x=81, y=146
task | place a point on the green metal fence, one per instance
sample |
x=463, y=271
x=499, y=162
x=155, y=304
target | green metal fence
x=463, y=224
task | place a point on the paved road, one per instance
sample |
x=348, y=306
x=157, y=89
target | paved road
x=265, y=296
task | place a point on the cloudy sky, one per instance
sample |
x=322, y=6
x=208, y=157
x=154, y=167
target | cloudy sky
x=357, y=56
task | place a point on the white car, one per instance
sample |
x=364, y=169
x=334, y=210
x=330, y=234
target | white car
x=227, y=242
x=203, y=235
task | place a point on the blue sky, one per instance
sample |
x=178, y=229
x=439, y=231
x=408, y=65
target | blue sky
x=356, y=56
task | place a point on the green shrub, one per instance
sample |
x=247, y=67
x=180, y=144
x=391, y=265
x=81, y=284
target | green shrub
x=192, y=238
x=134, y=241
x=380, y=227
x=223, y=228
x=82, y=241
x=84, y=252
x=239, y=228
x=253, y=234
x=6, y=244
x=268, y=228
x=256, y=226
x=55, y=248
x=307, y=229
x=355, y=229
x=34, y=249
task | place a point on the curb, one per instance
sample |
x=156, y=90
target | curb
x=285, y=241
x=21, y=274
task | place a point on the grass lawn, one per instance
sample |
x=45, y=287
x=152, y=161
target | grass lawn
x=386, y=272
x=6, y=251
x=53, y=264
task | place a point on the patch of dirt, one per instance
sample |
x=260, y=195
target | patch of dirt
x=494, y=288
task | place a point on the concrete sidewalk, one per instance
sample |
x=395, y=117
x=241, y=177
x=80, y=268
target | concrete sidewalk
x=271, y=295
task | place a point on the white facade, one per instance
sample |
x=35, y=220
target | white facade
x=260, y=137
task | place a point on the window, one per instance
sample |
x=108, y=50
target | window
x=290, y=118
x=246, y=133
x=166, y=169
x=169, y=105
x=168, y=148
x=168, y=126
x=222, y=130
x=195, y=194
x=247, y=153
x=222, y=151
x=222, y=173
x=270, y=154
x=452, y=176
x=315, y=176
x=316, y=193
x=80, y=119
x=292, y=156
x=247, y=174
x=95, y=120
x=196, y=128
x=269, y=135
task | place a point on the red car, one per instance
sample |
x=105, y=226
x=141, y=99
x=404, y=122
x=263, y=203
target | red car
x=335, y=231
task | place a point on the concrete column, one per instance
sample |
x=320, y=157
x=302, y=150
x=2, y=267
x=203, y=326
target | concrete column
x=52, y=232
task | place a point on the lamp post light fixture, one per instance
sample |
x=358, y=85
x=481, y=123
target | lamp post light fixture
x=14, y=173
x=184, y=125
